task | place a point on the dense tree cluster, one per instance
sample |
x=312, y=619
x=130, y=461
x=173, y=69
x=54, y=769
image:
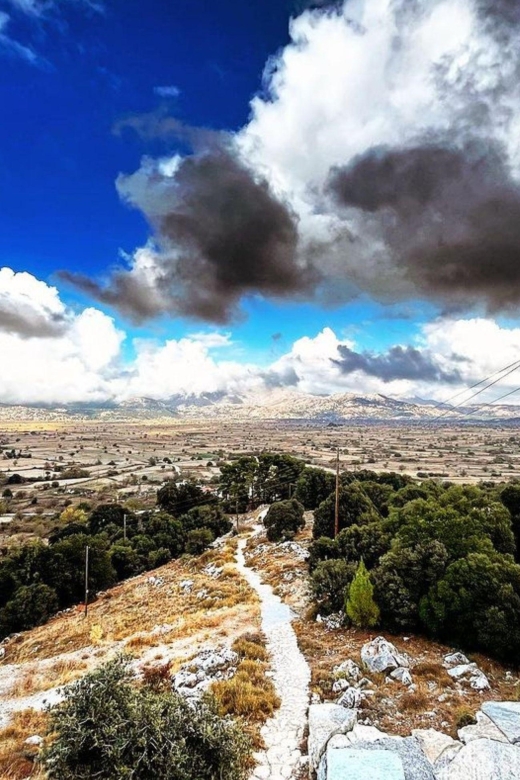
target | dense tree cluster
x=251, y=480
x=37, y=579
x=442, y=558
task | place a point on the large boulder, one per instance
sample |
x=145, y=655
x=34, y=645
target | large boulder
x=483, y=759
x=506, y=717
x=380, y=655
x=484, y=728
x=455, y=659
x=360, y=764
x=326, y=720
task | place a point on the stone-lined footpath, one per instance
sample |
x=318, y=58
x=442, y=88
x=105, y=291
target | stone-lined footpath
x=283, y=734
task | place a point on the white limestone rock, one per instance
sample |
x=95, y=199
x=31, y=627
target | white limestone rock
x=483, y=759
x=472, y=674
x=348, y=669
x=402, y=675
x=433, y=743
x=350, y=698
x=455, y=659
x=506, y=717
x=326, y=720
x=484, y=728
x=380, y=655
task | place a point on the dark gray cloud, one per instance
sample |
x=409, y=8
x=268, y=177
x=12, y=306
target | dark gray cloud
x=396, y=363
x=28, y=323
x=221, y=234
x=285, y=378
x=450, y=217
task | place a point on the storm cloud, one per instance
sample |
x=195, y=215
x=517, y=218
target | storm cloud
x=220, y=234
x=450, y=217
x=397, y=363
x=382, y=158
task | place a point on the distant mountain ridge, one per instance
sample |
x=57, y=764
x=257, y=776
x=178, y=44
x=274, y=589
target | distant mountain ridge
x=273, y=405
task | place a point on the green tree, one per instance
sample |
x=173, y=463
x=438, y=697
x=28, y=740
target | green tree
x=30, y=606
x=283, y=520
x=329, y=582
x=176, y=498
x=355, y=507
x=313, y=487
x=360, y=605
x=198, y=540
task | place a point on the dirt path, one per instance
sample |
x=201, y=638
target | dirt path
x=282, y=734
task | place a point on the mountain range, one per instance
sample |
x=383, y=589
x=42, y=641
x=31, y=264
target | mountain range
x=274, y=405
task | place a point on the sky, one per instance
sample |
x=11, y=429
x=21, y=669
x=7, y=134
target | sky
x=244, y=198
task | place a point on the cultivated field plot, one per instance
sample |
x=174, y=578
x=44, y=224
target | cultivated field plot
x=128, y=461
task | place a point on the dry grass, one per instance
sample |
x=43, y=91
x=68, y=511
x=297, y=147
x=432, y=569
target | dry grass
x=417, y=701
x=17, y=758
x=250, y=694
x=132, y=609
x=37, y=678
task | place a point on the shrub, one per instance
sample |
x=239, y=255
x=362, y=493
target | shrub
x=198, y=540
x=329, y=582
x=283, y=520
x=106, y=728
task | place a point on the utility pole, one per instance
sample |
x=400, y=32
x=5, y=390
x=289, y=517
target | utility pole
x=86, y=580
x=336, y=507
x=124, y=527
x=236, y=512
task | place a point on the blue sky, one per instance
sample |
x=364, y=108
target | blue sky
x=322, y=132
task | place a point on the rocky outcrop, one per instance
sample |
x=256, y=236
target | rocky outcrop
x=195, y=677
x=342, y=749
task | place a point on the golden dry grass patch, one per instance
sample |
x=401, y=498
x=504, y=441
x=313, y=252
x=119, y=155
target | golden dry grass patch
x=16, y=757
x=136, y=607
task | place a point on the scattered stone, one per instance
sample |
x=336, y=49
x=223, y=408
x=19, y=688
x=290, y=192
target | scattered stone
x=212, y=571
x=348, y=669
x=483, y=759
x=340, y=685
x=455, y=659
x=483, y=728
x=472, y=674
x=186, y=585
x=351, y=698
x=34, y=740
x=155, y=582
x=380, y=655
x=402, y=675
x=333, y=621
x=161, y=629
x=296, y=549
x=195, y=677
x=506, y=716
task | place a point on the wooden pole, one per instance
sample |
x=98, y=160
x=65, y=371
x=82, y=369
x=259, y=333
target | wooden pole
x=86, y=580
x=236, y=512
x=336, y=507
x=124, y=527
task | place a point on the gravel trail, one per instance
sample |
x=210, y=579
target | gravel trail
x=284, y=732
